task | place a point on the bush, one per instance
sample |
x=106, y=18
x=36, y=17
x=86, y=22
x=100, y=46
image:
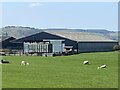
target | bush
x=116, y=47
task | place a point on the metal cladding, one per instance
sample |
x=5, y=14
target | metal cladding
x=96, y=46
x=7, y=44
x=79, y=46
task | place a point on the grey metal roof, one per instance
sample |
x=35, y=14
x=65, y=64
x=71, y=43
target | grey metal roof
x=81, y=36
x=75, y=36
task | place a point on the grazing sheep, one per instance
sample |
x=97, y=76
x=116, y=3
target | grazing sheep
x=102, y=66
x=27, y=63
x=85, y=62
x=24, y=63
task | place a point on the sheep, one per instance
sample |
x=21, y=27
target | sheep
x=86, y=62
x=24, y=63
x=27, y=63
x=102, y=66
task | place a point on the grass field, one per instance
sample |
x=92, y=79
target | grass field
x=61, y=71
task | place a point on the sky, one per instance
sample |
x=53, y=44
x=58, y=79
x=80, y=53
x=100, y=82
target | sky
x=77, y=15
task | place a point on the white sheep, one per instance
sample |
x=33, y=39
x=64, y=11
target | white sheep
x=24, y=63
x=85, y=62
x=102, y=66
x=27, y=63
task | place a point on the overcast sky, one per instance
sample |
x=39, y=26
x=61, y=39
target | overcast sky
x=83, y=15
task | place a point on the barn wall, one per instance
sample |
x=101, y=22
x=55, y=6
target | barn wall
x=7, y=44
x=69, y=42
x=95, y=46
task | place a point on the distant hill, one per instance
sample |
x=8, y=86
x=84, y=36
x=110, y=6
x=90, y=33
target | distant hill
x=19, y=31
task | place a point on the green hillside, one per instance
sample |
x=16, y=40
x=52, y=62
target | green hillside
x=19, y=32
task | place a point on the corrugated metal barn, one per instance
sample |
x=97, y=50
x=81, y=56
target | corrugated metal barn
x=89, y=42
x=45, y=42
x=7, y=44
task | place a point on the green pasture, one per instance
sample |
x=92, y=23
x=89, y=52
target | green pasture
x=61, y=71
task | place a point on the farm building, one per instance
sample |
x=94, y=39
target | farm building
x=6, y=46
x=45, y=42
x=89, y=42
